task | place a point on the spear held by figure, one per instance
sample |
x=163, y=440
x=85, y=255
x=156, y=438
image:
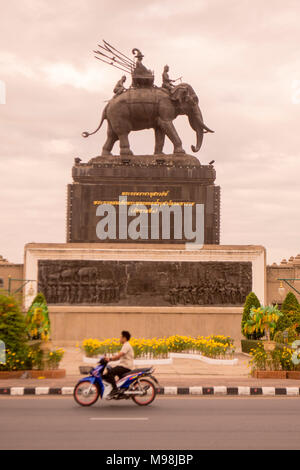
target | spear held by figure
x=115, y=58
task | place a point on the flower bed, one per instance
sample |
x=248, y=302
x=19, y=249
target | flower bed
x=216, y=347
x=277, y=363
x=31, y=359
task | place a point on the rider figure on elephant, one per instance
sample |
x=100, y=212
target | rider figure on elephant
x=168, y=84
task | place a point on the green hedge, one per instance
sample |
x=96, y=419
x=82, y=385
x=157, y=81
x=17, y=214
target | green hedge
x=290, y=314
x=290, y=303
x=248, y=344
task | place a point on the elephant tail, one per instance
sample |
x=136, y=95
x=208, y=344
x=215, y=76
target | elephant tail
x=87, y=134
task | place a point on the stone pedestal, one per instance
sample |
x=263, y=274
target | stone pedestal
x=135, y=285
x=155, y=179
x=151, y=287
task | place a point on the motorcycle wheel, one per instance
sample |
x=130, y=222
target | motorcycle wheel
x=149, y=387
x=86, y=393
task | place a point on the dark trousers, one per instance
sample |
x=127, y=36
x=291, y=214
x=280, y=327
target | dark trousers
x=111, y=373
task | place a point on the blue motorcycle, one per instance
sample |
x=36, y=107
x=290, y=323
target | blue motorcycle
x=139, y=385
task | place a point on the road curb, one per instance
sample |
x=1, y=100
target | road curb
x=231, y=391
x=166, y=391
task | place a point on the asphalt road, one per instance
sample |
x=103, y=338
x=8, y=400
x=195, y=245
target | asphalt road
x=169, y=423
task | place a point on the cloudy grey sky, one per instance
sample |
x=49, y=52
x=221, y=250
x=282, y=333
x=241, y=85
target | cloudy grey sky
x=241, y=57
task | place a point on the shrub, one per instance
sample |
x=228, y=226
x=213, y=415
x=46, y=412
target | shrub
x=259, y=358
x=290, y=303
x=12, y=324
x=279, y=359
x=285, y=357
x=290, y=313
x=19, y=360
x=54, y=358
x=289, y=335
x=37, y=319
x=250, y=302
x=249, y=344
x=13, y=332
x=289, y=320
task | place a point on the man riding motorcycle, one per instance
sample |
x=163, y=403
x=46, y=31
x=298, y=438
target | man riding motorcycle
x=126, y=358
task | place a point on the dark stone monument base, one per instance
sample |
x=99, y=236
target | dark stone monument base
x=145, y=179
x=170, y=160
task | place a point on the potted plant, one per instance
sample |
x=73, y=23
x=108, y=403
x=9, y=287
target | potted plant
x=263, y=319
x=54, y=358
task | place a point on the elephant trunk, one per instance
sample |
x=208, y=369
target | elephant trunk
x=197, y=124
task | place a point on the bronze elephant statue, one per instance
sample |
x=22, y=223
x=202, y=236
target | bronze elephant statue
x=151, y=108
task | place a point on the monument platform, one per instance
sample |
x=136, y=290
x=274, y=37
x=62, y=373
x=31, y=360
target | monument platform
x=151, y=180
x=93, y=290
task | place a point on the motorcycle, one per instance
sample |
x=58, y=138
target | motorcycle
x=139, y=385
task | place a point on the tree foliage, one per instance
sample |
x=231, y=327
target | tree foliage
x=290, y=313
x=250, y=302
x=290, y=303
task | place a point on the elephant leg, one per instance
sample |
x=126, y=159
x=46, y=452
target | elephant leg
x=169, y=129
x=159, y=141
x=124, y=145
x=111, y=139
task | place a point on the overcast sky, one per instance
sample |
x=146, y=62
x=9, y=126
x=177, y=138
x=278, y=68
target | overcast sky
x=241, y=57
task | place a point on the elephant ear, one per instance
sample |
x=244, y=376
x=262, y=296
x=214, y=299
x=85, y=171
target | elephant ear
x=179, y=94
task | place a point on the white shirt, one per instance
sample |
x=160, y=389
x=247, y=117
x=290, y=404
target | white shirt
x=127, y=359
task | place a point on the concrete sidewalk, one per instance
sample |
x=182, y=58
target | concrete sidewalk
x=182, y=373
x=73, y=358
